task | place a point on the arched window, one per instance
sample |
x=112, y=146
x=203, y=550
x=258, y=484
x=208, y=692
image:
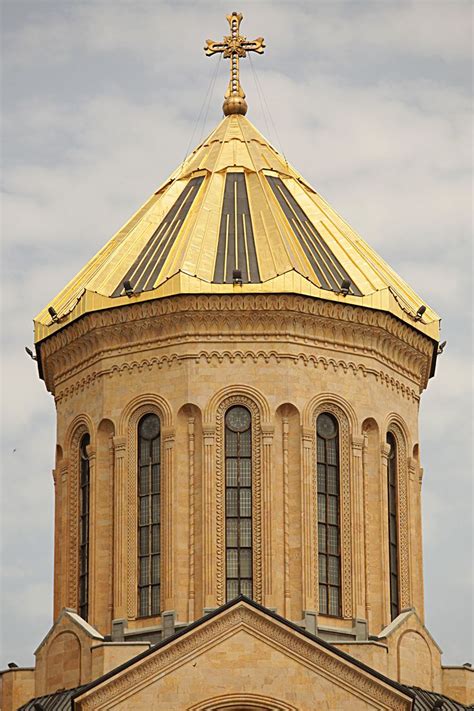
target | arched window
x=149, y=478
x=238, y=511
x=329, y=546
x=84, y=483
x=393, y=525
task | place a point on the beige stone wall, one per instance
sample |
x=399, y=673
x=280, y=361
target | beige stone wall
x=286, y=358
x=17, y=686
x=108, y=655
x=458, y=683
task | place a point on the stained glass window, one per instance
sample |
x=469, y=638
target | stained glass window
x=149, y=479
x=393, y=525
x=238, y=501
x=329, y=528
x=84, y=501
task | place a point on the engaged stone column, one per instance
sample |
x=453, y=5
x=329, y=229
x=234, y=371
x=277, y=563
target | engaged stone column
x=365, y=463
x=286, y=520
x=60, y=537
x=168, y=499
x=308, y=523
x=358, y=525
x=385, y=451
x=267, y=441
x=209, y=558
x=120, y=572
x=92, y=456
x=192, y=588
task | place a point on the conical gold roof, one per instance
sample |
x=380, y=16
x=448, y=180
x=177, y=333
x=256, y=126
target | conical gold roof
x=235, y=217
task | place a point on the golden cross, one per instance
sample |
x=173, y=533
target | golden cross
x=233, y=47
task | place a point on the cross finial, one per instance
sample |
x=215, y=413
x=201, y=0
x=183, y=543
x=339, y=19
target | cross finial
x=233, y=47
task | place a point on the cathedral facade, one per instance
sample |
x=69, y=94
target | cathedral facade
x=237, y=377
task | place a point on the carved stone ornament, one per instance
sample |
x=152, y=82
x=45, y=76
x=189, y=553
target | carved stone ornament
x=256, y=495
x=403, y=516
x=403, y=354
x=345, y=496
x=278, y=636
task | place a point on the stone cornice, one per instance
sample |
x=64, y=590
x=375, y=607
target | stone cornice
x=291, y=320
x=341, y=672
x=64, y=391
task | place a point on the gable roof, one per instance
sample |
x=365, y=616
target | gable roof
x=239, y=601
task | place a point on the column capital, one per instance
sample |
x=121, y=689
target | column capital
x=385, y=450
x=267, y=433
x=307, y=435
x=63, y=469
x=357, y=444
x=209, y=433
x=168, y=434
x=91, y=451
x=119, y=446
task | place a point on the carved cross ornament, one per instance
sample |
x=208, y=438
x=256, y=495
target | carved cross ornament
x=233, y=47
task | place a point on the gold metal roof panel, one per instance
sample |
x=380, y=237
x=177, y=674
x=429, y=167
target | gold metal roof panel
x=173, y=243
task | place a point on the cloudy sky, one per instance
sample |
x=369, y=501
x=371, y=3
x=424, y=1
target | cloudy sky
x=102, y=99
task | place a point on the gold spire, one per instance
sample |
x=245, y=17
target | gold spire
x=233, y=47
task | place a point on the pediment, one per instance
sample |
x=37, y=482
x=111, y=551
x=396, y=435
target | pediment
x=243, y=656
x=69, y=620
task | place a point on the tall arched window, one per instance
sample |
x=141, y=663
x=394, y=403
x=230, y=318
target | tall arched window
x=329, y=534
x=84, y=484
x=238, y=511
x=393, y=525
x=149, y=478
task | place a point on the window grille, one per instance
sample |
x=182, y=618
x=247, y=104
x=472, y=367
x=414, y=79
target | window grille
x=329, y=527
x=238, y=502
x=84, y=501
x=149, y=483
x=393, y=525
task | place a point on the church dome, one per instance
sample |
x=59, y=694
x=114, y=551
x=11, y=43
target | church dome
x=235, y=217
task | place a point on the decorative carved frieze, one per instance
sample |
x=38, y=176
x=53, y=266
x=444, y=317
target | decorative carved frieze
x=344, y=329
x=122, y=686
x=259, y=475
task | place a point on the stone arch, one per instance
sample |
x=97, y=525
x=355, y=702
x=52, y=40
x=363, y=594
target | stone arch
x=230, y=391
x=397, y=426
x=250, y=702
x=320, y=400
x=140, y=404
x=415, y=663
x=63, y=661
x=215, y=411
x=82, y=424
x=393, y=422
x=347, y=422
x=149, y=403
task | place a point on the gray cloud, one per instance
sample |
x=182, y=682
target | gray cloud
x=371, y=103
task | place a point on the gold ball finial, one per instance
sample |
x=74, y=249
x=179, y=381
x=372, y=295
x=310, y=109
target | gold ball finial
x=234, y=105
